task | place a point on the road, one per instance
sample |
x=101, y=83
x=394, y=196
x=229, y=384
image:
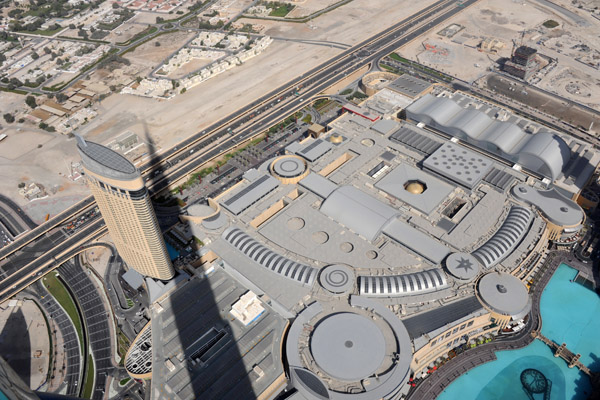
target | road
x=251, y=111
x=312, y=83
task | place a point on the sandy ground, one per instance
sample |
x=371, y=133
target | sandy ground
x=125, y=32
x=488, y=18
x=47, y=165
x=168, y=122
x=28, y=350
x=148, y=56
x=194, y=65
x=12, y=103
x=21, y=142
x=307, y=7
x=509, y=22
x=98, y=257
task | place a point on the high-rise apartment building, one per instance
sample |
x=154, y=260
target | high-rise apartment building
x=125, y=204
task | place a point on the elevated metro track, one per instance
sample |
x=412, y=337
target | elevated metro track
x=212, y=145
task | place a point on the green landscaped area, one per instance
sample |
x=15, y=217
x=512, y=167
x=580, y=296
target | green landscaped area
x=550, y=24
x=123, y=382
x=62, y=296
x=279, y=9
x=46, y=32
x=88, y=384
x=123, y=345
x=420, y=67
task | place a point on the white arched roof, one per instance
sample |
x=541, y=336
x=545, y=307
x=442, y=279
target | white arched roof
x=543, y=152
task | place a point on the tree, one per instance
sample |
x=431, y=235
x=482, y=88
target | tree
x=47, y=50
x=43, y=125
x=72, y=26
x=30, y=101
x=160, y=20
x=157, y=44
x=61, y=97
x=35, y=55
x=16, y=82
x=9, y=118
x=115, y=5
x=2, y=58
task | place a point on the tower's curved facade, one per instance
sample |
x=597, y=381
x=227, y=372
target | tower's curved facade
x=125, y=205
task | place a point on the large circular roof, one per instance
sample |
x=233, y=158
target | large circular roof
x=505, y=294
x=349, y=347
x=462, y=266
x=289, y=166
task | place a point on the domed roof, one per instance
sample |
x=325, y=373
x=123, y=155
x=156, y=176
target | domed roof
x=335, y=138
x=415, y=188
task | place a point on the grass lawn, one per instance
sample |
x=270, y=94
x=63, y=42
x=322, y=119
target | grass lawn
x=396, y=57
x=88, y=388
x=123, y=382
x=46, y=32
x=123, y=345
x=281, y=11
x=60, y=293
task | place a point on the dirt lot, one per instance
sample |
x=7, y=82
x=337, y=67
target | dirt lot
x=125, y=32
x=308, y=7
x=149, y=55
x=194, y=65
x=572, y=44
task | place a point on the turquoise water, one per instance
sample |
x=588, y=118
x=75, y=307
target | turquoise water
x=568, y=315
x=173, y=253
x=3, y=396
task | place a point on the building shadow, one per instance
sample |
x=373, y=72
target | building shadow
x=197, y=335
x=15, y=345
x=583, y=383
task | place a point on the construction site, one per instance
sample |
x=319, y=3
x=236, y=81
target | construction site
x=554, y=48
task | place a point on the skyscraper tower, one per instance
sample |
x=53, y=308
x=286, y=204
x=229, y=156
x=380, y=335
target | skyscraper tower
x=125, y=204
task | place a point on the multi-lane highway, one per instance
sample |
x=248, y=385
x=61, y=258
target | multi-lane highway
x=188, y=155
x=261, y=109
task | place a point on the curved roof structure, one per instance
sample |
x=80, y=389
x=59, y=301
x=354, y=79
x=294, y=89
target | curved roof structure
x=358, y=211
x=510, y=234
x=269, y=259
x=341, y=345
x=138, y=360
x=462, y=266
x=348, y=346
x=543, y=152
x=554, y=206
x=504, y=294
x=105, y=162
x=401, y=285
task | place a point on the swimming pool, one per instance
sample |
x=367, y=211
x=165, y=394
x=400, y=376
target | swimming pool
x=567, y=315
x=173, y=253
